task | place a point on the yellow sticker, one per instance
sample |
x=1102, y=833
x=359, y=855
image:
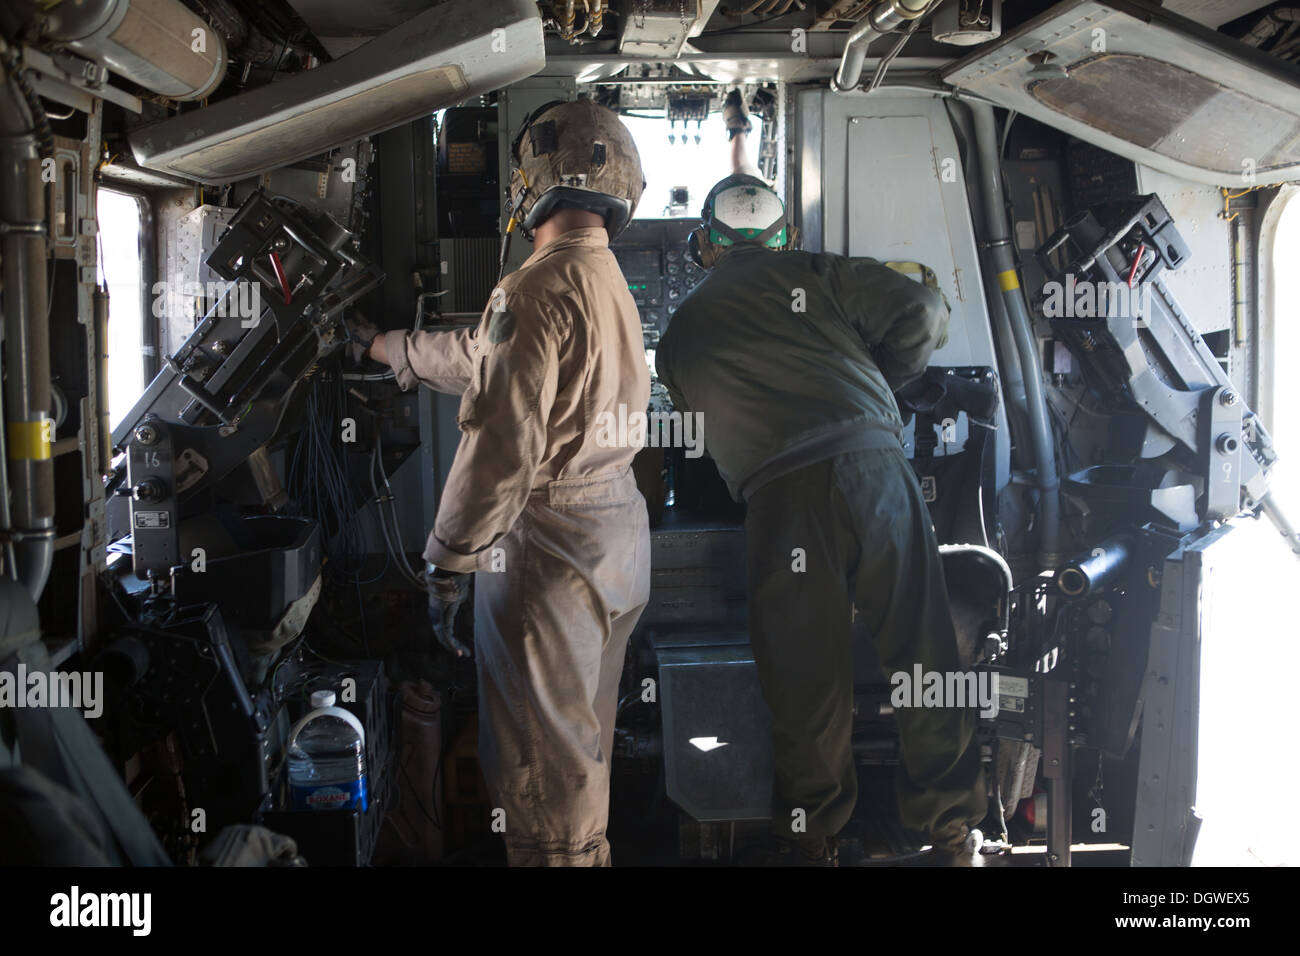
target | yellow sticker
x=1008, y=280
x=30, y=441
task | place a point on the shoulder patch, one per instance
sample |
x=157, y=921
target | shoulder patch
x=501, y=326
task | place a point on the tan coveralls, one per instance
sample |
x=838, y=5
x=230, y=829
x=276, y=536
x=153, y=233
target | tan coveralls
x=557, y=524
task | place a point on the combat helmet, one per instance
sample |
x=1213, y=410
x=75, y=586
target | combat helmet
x=574, y=154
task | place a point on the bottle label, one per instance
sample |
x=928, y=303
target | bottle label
x=334, y=796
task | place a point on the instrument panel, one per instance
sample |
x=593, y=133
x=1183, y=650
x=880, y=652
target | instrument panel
x=659, y=272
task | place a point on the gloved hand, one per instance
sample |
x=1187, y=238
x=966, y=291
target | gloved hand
x=735, y=116
x=361, y=332
x=447, y=592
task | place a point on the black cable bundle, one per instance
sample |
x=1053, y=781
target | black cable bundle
x=319, y=484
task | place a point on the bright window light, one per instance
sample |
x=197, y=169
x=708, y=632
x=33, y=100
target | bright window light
x=683, y=162
x=119, y=247
x=1249, y=652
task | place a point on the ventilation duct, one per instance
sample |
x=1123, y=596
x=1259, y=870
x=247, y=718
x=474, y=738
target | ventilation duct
x=159, y=44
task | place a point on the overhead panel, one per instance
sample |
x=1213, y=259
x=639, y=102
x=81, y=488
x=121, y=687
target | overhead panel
x=438, y=58
x=658, y=27
x=1150, y=86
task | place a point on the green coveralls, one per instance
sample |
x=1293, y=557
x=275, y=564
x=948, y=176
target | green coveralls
x=799, y=416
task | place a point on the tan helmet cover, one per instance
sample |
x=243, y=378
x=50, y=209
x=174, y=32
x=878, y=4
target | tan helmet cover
x=579, y=154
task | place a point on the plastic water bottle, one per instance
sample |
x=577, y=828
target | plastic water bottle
x=327, y=758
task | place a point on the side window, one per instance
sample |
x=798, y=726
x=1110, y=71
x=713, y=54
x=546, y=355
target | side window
x=121, y=269
x=1248, y=599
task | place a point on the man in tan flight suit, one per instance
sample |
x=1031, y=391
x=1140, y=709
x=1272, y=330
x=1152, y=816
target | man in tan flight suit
x=549, y=516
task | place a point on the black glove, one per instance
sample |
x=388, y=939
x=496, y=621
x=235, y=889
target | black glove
x=735, y=116
x=447, y=592
x=361, y=333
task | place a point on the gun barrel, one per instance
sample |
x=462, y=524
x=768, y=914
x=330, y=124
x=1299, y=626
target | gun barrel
x=1098, y=569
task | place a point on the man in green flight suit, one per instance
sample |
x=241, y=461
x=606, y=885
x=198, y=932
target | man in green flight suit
x=792, y=358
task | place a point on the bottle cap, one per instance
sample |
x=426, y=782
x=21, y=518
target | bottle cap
x=322, y=698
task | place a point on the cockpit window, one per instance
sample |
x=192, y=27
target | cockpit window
x=683, y=162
